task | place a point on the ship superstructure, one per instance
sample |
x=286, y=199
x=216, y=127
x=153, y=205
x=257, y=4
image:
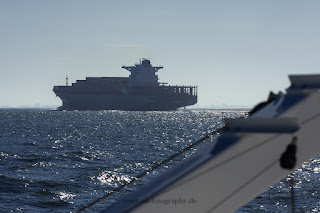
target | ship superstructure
x=141, y=91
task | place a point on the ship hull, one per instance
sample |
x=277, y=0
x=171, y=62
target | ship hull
x=129, y=102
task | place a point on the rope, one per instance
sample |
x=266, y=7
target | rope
x=157, y=165
x=288, y=161
x=262, y=171
x=292, y=193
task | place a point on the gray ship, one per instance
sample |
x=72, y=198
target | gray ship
x=141, y=91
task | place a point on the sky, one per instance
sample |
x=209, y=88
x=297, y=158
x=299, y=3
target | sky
x=235, y=51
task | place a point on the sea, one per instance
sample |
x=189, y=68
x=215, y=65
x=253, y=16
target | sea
x=60, y=161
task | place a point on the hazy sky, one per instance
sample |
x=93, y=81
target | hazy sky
x=235, y=51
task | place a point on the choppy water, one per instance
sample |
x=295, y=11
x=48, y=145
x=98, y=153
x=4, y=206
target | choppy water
x=53, y=161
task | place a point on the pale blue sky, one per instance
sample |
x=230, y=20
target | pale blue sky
x=235, y=51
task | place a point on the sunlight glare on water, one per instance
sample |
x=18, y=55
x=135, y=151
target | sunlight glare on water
x=58, y=161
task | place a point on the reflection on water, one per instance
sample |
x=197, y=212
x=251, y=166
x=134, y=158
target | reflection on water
x=59, y=161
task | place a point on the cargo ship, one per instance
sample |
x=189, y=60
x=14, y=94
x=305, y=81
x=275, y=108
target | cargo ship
x=141, y=91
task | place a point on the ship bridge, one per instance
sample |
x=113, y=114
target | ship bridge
x=143, y=74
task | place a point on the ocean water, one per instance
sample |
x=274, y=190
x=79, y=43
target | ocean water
x=59, y=161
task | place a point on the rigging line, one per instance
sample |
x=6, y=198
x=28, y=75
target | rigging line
x=307, y=120
x=245, y=184
x=263, y=171
x=181, y=151
x=224, y=162
x=311, y=118
x=292, y=196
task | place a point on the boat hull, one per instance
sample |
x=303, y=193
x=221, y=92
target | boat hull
x=242, y=162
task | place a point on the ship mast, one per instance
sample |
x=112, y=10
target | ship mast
x=67, y=80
